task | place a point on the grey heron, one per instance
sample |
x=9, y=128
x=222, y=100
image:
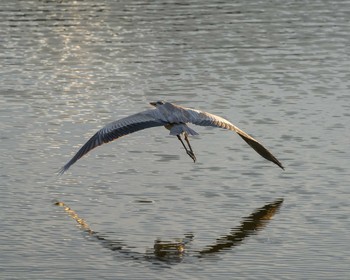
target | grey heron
x=172, y=117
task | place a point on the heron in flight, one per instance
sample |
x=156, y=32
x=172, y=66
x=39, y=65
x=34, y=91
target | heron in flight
x=173, y=118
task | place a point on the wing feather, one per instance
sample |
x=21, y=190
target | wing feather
x=115, y=130
x=206, y=119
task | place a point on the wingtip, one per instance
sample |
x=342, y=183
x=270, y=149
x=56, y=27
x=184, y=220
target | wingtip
x=280, y=165
x=61, y=171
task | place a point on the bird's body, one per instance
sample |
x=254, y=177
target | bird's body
x=172, y=117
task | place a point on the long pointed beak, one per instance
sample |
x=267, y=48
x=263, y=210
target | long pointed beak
x=153, y=103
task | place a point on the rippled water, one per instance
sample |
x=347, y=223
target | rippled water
x=277, y=69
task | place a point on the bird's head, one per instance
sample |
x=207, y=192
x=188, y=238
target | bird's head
x=157, y=103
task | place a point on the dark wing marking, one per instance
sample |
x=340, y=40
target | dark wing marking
x=206, y=119
x=114, y=131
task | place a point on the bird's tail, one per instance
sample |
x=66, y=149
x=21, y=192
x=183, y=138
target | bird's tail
x=178, y=129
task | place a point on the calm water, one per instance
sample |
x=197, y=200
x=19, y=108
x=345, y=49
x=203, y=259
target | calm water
x=277, y=69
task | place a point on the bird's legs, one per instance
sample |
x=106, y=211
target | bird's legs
x=189, y=152
x=188, y=143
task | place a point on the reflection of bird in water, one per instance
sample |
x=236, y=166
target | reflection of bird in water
x=250, y=225
x=174, y=250
x=84, y=225
x=172, y=117
x=161, y=249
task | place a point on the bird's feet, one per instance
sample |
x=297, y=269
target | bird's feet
x=191, y=154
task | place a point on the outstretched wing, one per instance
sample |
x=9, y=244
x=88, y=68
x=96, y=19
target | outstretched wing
x=115, y=130
x=206, y=119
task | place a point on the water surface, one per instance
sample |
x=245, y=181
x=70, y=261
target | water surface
x=278, y=70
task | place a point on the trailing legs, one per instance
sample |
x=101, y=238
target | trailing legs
x=190, y=151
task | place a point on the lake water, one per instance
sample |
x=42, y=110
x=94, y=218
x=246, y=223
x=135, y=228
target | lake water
x=280, y=70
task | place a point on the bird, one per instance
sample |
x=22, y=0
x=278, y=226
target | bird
x=174, y=118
